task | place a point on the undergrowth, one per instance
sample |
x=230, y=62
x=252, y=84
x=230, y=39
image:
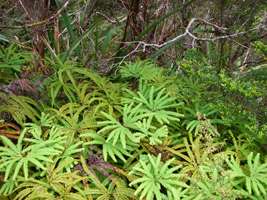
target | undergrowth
x=147, y=133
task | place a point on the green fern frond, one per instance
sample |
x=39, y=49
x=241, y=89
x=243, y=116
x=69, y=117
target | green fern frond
x=108, y=149
x=154, y=176
x=253, y=175
x=144, y=70
x=21, y=108
x=116, y=131
x=147, y=130
x=56, y=184
x=156, y=103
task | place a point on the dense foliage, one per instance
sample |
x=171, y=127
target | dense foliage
x=161, y=137
x=84, y=117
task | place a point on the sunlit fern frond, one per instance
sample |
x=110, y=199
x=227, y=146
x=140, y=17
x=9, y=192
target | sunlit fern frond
x=253, y=175
x=157, y=103
x=56, y=184
x=153, y=175
x=21, y=108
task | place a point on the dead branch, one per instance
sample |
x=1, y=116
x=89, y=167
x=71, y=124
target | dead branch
x=188, y=33
x=37, y=23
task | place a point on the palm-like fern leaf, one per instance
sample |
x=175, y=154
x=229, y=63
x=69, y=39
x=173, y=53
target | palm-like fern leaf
x=254, y=176
x=153, y=176
x=156, y=103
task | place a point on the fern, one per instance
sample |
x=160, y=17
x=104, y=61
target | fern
x=117, y=188
x=153, y=176
x=57, y=184
x=253, y=175
x=109, y=150
x=13, y=59
x=214, y=183
x=116, y=131
x=156, y=103
x=35, y=129
x=20, y=156
x=153, y=134
x=66, y=81
x=143, y=70
x=21, y=108
x=140, y=144
x=197, y=121
x=8, y=187
x=132, y=114
x=194, y=154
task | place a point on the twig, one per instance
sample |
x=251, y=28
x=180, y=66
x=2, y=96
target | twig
x=38, y=23
x=132, y=52
x=246, y=57
x=187, y=32
x=25, y=10
x=113, y=21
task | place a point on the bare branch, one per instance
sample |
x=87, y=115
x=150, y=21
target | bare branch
x=187, y=32
x=38, y=23
x=25, y=10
